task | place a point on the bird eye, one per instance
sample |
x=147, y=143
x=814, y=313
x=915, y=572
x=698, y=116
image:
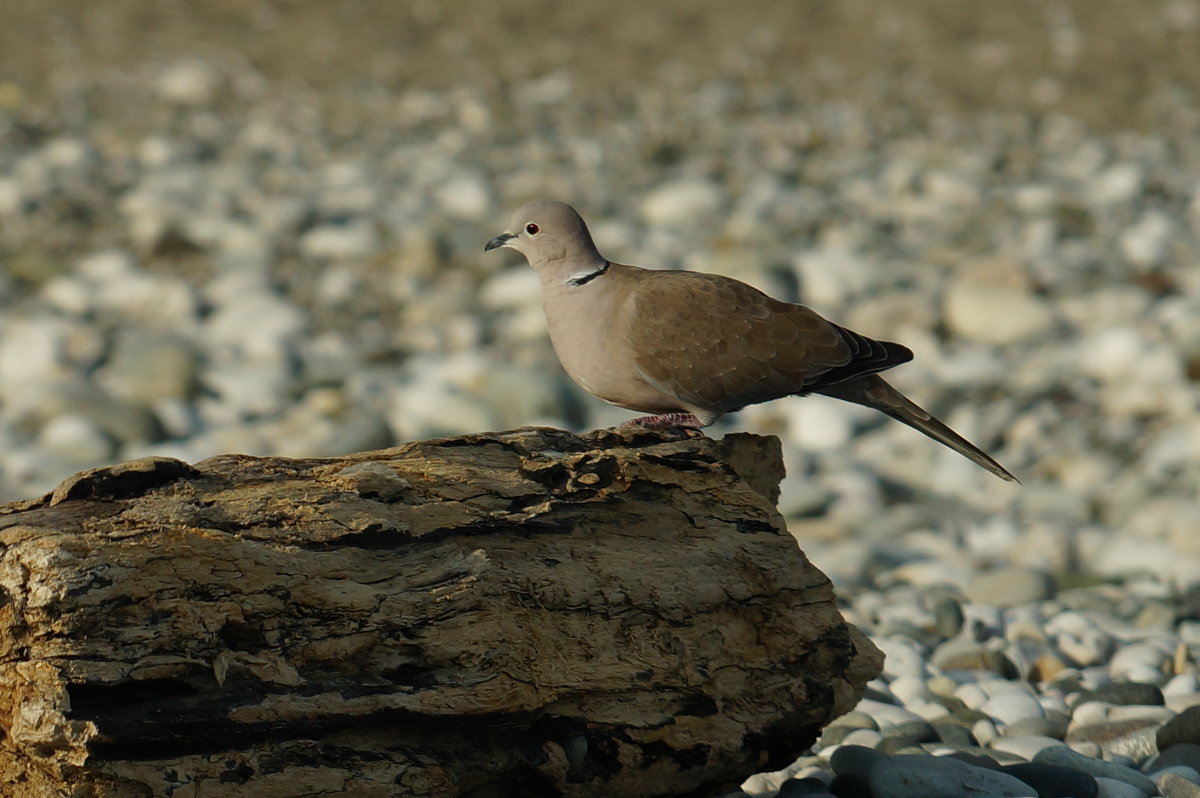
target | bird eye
x=532, y=229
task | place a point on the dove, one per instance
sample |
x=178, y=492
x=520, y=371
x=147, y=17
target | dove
x=688, y=347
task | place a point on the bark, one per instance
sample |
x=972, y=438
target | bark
x=523, y=613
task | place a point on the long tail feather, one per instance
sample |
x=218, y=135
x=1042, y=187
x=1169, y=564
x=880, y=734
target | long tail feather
x=873, y=391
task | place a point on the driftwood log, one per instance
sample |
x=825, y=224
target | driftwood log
x=507, y=614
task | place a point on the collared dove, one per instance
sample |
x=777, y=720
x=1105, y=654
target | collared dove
x=690, y=347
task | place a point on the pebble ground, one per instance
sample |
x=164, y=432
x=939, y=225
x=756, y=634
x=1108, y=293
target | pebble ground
x=258, y=227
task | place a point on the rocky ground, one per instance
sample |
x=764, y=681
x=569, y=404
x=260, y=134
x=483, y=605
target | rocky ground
x=258, y=227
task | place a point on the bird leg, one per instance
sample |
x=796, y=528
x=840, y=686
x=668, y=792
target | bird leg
x=667, y=421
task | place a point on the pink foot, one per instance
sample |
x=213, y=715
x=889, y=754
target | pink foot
x=666, y=421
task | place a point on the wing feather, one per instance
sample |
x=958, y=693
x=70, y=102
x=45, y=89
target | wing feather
x=718, y=344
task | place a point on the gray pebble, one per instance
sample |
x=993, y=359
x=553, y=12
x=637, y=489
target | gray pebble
x=1064, y=756
x=1115, y=788
x=1184, y=728
x=941, y=777
x=1186, y=754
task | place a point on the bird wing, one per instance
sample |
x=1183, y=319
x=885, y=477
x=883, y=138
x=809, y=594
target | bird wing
x=719, y=344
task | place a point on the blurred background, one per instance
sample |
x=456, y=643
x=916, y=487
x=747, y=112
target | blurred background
x=257, y=226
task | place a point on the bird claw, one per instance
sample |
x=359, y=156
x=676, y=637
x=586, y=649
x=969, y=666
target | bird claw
x=686, y=421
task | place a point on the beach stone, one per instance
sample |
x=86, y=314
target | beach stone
x=1119, y=736
x=1186, y=754
x=962, y=654
x=909, y=689
x=992, y=302
x=850, y=785
x=1079, y=638
x=947, y=616
x=352, y=240
x=808, y=787
x=835, y=733
x=908, y=733
x=1115, y=788
x=851, y=765
x=977, y=757
x=1011, y=706
x=1010, y=586
x=1183, y=771
x=1052, y=724
x=681, y=202
x=1066, y=757
x=909, y=776
x=1183, y=728
x=147, y=366
x=77, y=439
x=1174, y=785
x=1142, y=661
x=1054, y=781
x=984, y=730
x=954, y=734
x=1125, y=693
x=854, y=759
x=866, y=738
x=1025, y=746
x=189, y=82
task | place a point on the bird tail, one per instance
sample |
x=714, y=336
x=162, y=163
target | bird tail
x=872, y=391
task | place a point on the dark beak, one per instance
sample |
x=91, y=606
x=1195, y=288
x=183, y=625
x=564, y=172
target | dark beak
x=499, y=241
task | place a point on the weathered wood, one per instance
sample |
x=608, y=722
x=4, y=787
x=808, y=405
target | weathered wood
x=523, y=613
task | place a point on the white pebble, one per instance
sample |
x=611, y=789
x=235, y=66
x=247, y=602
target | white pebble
x=683, y=202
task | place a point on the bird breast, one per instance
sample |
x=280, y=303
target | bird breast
x=587, y=324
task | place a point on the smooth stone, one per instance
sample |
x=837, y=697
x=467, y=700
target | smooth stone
x=1064, y=756
x=188, y=82
x=1182, y=684
x=850, y=785
x=1183, y=771
x=148, y=366
x=886, y=714
x=834, y=735
x=1125, y=693
x=976, y=758
x=947, y=617
x=1010, y=586
x=961, y=654
x=681, y=202
x=855, y=719
x=867, y=738
x=1186, y=754
x=907, y=733
x=1115, y=788
x=356, y=239
x=992, y=302
x=909, y=689
x=1012, y=706
x=984, y=731
x=1139, y=662
x=78, y=440
x=954, y=734
x=1025, y=746
x=810, y=787
x=1183, y=728
x=854, y=759
x=940, y=777
x=1054, y=781
x=1054, y=724
x=1079, y=638
x=1174, y=785
x=1132, y=738
x=971, y=695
